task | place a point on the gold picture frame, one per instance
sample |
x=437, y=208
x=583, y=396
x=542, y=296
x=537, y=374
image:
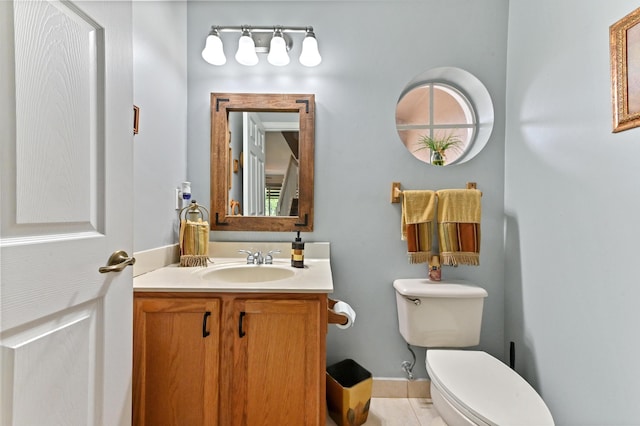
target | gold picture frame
x=624, y=46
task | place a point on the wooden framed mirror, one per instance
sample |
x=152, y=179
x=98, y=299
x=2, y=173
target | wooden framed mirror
x=272, y=188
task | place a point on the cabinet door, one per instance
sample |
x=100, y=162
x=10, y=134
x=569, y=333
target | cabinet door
x=176, y=358
x=277, y=363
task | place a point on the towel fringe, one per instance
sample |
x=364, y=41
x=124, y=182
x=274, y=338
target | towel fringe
x=419, y=257
x=193, y=260
x=460, y=258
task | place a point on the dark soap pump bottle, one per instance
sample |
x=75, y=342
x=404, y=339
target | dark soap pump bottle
x=297, y=252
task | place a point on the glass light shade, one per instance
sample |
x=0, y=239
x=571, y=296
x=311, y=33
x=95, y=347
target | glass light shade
x=213, y=51
x=278, y=51
x=310, y=56
x=246, y=54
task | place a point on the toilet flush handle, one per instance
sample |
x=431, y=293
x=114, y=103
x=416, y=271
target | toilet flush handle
x=416, y=301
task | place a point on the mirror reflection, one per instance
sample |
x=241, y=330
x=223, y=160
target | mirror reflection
x=264, y=149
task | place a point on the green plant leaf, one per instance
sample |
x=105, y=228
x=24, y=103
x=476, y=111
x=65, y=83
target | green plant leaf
x=439, y=144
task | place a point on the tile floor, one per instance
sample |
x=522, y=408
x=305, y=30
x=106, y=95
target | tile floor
x=400, y=412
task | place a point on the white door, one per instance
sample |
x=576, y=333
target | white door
x=253, y=138
x=66, y=154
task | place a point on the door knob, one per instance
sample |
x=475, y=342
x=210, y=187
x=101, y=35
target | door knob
x=117, y=262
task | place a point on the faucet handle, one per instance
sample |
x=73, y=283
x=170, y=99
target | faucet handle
x=269, y=258
x=250, y=256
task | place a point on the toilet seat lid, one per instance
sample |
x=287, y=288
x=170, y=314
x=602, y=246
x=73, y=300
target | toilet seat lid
x=482, y=386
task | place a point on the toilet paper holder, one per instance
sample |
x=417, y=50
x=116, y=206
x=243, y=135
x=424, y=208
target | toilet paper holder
x=334, y=317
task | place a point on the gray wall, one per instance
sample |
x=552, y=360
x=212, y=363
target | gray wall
x=160, y=90
x=370, y=51
x=569, y=302
x=571, y=207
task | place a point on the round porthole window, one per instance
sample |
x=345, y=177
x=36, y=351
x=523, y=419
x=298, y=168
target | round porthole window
x=444, y=116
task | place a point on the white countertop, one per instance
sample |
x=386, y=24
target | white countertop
x=315, y=277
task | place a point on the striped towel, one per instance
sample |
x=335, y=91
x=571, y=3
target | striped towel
x=459, y=213
x=194, y=243
x=418, y=211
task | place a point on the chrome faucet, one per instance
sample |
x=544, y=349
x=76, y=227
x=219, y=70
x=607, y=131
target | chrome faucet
x=268, y=260
x=257, y=258
x=250, y=256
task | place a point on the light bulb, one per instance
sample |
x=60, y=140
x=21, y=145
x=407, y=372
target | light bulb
x=278, y=51
x=310, y=56
x=246, y=54
x=213, y=51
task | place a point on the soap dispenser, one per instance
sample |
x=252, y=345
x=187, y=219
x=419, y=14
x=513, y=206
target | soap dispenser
x=297, y=252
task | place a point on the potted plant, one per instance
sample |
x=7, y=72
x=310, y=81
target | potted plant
x=439, y=146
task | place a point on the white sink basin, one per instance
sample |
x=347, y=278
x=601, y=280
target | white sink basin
x=249, y=273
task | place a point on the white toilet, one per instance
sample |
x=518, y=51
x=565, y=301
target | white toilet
x=467, y=387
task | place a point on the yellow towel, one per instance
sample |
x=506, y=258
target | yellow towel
x=418, y=209
x=194, y=243
x=459, y=214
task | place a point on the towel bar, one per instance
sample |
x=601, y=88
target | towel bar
x=333, y=317
x=396, y=192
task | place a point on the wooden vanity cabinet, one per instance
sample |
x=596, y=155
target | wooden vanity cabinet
x=175, y=361
x=268, y=367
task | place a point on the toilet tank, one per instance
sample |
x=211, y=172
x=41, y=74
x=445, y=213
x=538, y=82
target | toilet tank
x=439, y=313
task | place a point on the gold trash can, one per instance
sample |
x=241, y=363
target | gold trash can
x=348, y=393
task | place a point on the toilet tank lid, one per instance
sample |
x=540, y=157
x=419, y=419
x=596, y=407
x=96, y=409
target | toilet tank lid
x=422, y=287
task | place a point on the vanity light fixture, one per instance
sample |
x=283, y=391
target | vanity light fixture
x=275, y=41
x=213, y=52
x=246, y=54
x=310, y=56
x=278, y=55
